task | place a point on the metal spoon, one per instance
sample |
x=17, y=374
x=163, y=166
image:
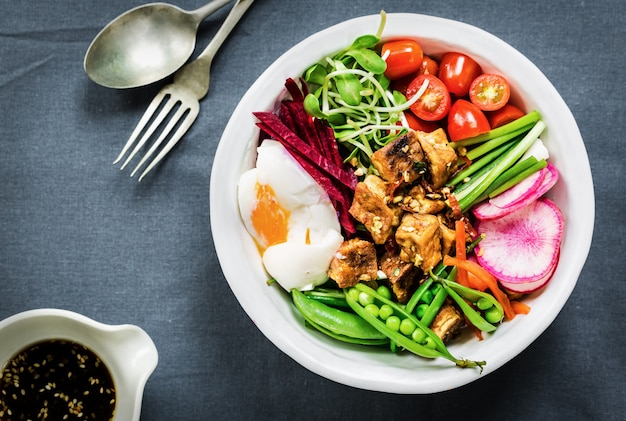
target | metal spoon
x=145, y=44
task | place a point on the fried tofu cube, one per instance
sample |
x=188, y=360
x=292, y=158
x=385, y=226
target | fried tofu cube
x=448, y=237
x=396, y=162
x=418, y=201
x=440, y=155
x=447, y=322
x=370, y=206
x=354, y=261
x=401, y=275
x=419, y=238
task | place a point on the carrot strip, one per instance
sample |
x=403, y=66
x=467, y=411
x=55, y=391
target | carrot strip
x=520, y=308
x=475, y=282
x=489, y=279
x=459, y=229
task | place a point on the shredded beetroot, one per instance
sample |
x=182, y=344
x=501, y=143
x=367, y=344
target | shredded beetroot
x=312, y=143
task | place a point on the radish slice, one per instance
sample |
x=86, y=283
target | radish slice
x=528, y=287
x=523, y=246
x=519, y=191
x=488, y=211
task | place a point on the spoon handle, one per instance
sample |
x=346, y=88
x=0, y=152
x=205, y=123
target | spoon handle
x=198, y=70
x=203, y=12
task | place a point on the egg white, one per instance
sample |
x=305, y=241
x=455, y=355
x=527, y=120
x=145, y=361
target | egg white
x=294, y=263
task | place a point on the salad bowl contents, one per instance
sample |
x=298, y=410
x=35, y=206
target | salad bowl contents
x=405, y=191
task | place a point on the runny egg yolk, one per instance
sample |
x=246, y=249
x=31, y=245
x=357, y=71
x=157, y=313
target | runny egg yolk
x=269, y=219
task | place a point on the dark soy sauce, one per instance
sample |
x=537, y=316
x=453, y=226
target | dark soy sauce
x=56, y=380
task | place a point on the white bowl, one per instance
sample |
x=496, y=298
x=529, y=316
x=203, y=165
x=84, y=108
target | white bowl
x=126, y=350
x=271, y=309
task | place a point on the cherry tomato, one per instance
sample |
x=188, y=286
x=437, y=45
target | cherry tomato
x=429, y=66
x=403, y=57
x=457, y=71
x=418, y=124
x=434, y=104
x=490, y=92
x=466, y=120
x=504, y=115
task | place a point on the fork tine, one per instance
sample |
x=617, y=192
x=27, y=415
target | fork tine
x=182, y=129
x=147, y=115
x=165, y=112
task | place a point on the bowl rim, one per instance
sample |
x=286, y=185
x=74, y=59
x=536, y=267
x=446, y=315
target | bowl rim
x=235, y=152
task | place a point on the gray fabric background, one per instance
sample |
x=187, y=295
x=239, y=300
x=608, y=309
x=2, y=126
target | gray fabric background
x=76, y=233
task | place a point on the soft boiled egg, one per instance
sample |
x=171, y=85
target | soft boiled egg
x=290, y=217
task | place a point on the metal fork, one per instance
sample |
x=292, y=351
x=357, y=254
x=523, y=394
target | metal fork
x=191, y=84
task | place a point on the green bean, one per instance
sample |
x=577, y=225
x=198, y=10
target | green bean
x=332, y=319
x=433, y=346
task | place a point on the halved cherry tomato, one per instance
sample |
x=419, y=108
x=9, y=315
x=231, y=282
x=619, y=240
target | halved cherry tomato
x=457, y=71
x=403, y=57
x=418, y=124
x=504, y=115
x=429, y=66
x=434, y=104
x=490, y=92
x=466, y=120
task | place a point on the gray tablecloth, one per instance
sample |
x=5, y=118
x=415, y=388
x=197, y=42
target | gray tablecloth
x=76, y=233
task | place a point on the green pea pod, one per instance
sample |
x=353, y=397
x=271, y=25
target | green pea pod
x=332, y=319
x=396, y=337
x=328, y=297
x=434, y=307
x=417, y=295
x=472, y=315
x=440, y=349
x=348, y=339
x=472, y=295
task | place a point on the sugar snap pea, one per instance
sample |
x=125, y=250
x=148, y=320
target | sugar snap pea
x=334, y=320
x=333, y=298
x=461, y=294
x=434, y=306
x=433, y=346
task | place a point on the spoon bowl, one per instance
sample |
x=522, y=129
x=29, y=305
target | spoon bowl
x=145, y=44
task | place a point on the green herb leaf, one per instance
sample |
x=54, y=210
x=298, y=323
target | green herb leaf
x=315, y=74
x=348, y=85
x=369, y=60
x=312, y=106
x=365, y=41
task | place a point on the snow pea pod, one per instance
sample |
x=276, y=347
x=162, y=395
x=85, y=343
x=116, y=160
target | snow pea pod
x=333, y=320
x=472, y=315
x=434, y=306
x=433, y=346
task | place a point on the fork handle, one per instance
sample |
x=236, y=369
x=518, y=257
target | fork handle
x=197, y=71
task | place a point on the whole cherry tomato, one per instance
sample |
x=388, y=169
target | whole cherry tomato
x=457, y=71
x=490, y=92
x=504, y=115
x=403, y=57
x=434, y=103
x=466, y=120
x=429, y=66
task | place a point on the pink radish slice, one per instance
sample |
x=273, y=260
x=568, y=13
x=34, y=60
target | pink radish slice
x=522, y=246
x=488, y=211
x=528, y=287
x=519, y=191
